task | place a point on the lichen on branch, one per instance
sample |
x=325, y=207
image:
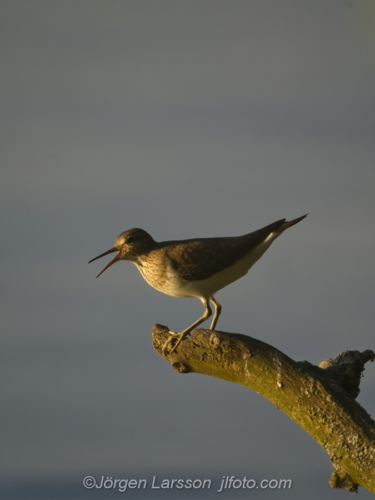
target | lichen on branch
x=320, y=399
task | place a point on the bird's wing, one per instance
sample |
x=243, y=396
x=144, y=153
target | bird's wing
x=201, y=258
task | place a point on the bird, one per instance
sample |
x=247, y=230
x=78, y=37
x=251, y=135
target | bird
x=197, y=267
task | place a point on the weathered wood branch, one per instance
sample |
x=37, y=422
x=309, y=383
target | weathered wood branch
x=320, y=399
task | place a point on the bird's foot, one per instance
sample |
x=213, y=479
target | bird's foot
x=174, y=338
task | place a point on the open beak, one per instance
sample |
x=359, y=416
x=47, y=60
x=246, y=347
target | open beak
x=115, y=259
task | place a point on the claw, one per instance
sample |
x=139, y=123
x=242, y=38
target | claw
x=174, y=336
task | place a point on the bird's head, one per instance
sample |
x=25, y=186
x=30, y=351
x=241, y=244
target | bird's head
x=129, y=246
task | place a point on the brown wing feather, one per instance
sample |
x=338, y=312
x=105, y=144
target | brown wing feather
x=201, y=258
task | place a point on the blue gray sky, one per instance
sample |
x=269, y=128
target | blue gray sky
x=199, y=118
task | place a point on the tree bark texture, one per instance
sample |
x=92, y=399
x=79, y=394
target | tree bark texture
x=320, y=399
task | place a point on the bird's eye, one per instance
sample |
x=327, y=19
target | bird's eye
x=130, y=239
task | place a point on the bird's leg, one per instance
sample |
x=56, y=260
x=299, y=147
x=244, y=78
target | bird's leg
x=179, y=336
x=217, y=312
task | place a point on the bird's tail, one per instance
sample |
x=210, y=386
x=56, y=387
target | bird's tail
x=291, y=223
